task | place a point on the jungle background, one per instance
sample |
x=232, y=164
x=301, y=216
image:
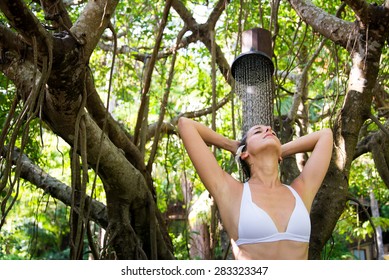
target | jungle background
x=92, y=166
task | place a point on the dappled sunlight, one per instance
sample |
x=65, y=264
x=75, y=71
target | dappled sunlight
x=357, y=82
x=341, y=156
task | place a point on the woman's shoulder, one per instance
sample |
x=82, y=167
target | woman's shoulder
x=230, y=187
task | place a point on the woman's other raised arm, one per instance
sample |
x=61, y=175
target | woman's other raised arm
x=320, y=143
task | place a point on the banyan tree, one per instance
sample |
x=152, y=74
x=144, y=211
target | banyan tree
x=65, y=65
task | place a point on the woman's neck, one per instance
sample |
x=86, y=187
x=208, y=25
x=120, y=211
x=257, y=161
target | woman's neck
x=265, y=171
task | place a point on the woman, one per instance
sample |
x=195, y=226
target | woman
x=264, y=218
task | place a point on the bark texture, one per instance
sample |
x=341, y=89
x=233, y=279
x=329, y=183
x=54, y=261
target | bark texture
x=134, y=225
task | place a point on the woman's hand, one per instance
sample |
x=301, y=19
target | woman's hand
x=234, y=146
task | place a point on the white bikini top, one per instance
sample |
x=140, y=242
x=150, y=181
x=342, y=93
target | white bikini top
x=256, y=226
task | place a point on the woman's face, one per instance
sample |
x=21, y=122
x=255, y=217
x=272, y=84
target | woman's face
x=260, y=137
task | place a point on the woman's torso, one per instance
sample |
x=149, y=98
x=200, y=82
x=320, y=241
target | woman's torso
x=229, y=204
x=278, y=250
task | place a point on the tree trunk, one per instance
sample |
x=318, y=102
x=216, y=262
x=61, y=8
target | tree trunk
x=364, y=41
x=135, y=228
x=378, y=231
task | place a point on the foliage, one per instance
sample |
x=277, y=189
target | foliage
x=363, y=179
x=180, y=243
x=37, y=227
x=336, y=248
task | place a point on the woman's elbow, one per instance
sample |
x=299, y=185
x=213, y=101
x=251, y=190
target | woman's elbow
x=184, y=124
x=181, y=123
x=327, y=138
x=327, y=132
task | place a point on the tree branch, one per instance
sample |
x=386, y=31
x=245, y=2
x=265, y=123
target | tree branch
x=379, y=124
x=24, y=21
x=363, y=146
x=185, y=15
x=55, y=188
x=203, y=112
x=360, y=8
x=10, y=41
x=56, y=11
x=377, y=144
x=142, y=57
x=216, y=13
x=380, y=162
x=170, y=127
x=349, y=197
x=331, y=27
x=140, y=129
x=202, y=30
x=301, y=83
x=116, y=134
x=92, y=22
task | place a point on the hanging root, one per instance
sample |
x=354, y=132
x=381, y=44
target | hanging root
x=20, y=123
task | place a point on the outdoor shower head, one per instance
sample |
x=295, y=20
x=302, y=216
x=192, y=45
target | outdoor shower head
x=252, y=71
x=255, y=57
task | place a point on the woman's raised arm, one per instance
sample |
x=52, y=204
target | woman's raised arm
x=196, y=137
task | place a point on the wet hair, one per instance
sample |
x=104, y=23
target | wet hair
x=245, y=167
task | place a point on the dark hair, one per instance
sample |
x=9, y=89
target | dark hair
x=243, y=164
